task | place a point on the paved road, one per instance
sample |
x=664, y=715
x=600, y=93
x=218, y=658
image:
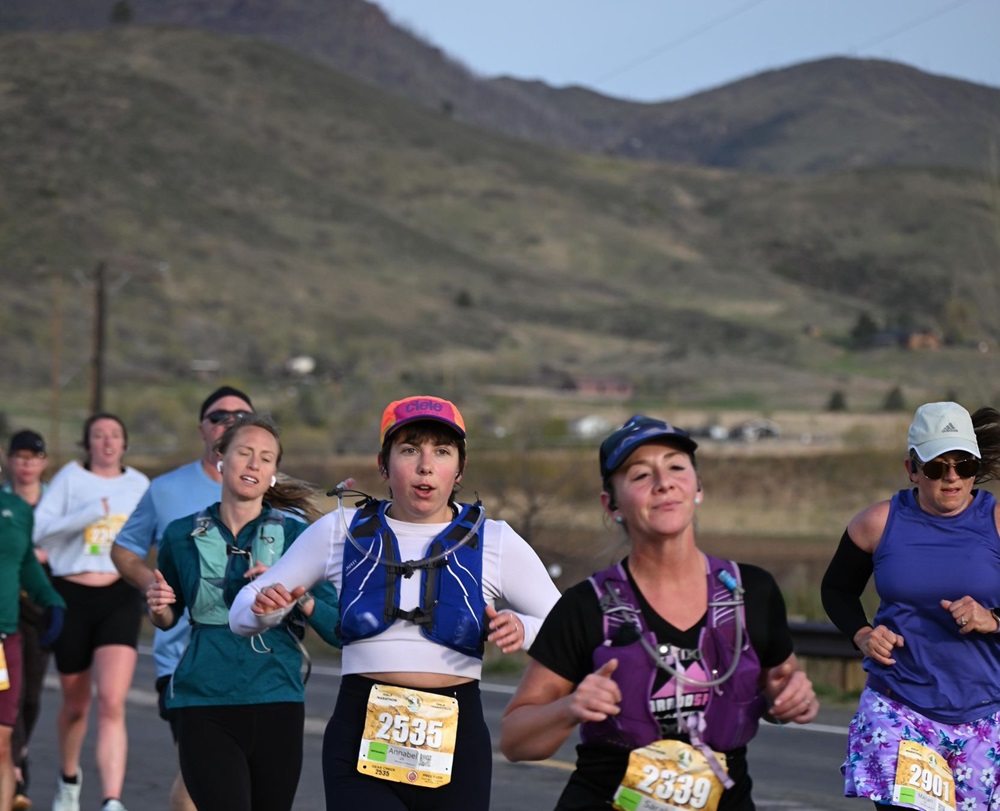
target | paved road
x=795, y=768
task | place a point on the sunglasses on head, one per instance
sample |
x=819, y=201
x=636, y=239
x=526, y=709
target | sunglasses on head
x=221, y=416
x=965, y=468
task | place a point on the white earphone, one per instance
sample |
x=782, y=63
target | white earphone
x=274, y=480
x=218, y=466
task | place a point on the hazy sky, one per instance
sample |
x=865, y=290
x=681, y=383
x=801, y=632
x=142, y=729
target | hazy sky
x=652, y=50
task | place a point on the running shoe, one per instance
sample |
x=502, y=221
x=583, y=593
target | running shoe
x=21, y=802
x=113, y=805
x=67, y=795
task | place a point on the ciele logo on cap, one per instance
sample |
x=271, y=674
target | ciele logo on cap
x=423, y=405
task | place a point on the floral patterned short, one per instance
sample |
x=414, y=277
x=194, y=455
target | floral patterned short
x=972, y=751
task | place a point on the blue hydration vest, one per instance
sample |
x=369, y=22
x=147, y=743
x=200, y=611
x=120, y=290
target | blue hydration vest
x=452, y=611
x=734, y=707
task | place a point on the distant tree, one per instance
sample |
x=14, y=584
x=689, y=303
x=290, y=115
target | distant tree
x=448, y=107
x=526, y=486
x=837, y=401
x=310, y=407
x=864, y=330
x=122, y=12
x=463, y=299
x=958, y=320
x=902, y=318
x=894, y=400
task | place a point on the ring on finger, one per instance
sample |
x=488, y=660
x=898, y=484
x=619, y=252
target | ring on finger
x=964, y=621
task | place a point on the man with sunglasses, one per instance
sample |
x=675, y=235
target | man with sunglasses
x=932, y=652
x=173, y=495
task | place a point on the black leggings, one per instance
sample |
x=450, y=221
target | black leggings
x=472, y=768
x=241, y=758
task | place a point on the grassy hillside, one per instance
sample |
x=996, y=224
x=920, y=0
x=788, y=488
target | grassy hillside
x=252, y=205
x=353, y=36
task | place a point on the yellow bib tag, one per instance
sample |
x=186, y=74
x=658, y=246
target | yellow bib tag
x=923, y=779
x=4, y=675
x=98, y=537
x=669, y=774
x=409, y=736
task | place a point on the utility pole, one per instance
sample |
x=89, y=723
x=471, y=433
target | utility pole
x=97, y=357
x=55, y=371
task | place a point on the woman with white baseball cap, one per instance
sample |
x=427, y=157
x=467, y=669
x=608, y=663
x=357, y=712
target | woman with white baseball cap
x=928, y=723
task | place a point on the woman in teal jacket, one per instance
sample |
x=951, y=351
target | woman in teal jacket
x=240, y=701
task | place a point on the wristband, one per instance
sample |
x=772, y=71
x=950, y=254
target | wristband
x=305, y=598
x=995, y=613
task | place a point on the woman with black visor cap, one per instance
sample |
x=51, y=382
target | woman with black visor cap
x=667, y=660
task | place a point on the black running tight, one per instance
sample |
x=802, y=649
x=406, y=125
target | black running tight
x=241, y=758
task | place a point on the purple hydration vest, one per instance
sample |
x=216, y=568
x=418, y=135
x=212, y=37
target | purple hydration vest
x=734, y=707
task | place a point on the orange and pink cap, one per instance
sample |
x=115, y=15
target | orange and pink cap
x=421, y=407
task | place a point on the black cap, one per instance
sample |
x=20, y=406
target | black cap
x=26, y=441
x=640, y=430
x=218, y=394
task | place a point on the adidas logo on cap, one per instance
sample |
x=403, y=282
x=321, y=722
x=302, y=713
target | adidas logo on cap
x=938, y=428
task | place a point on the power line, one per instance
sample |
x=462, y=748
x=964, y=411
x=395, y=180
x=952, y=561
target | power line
x=908, y=27
x=697, y=32
x=724, y=18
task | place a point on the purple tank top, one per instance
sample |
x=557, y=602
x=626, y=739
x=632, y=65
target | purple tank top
x=920, y=560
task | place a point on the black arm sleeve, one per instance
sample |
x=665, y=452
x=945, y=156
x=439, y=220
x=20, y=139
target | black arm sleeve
x=844, y=582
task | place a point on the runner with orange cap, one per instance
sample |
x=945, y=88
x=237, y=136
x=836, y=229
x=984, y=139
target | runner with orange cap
x=418, y=576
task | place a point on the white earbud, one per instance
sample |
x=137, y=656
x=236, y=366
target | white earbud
x=274, y=480
x=619, y=519
x=697, y=499
x=218, y=466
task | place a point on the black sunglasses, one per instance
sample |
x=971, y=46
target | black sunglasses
x=221, y=416
x=965, y=468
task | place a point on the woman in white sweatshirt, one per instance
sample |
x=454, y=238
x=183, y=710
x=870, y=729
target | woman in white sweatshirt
x=76, y=523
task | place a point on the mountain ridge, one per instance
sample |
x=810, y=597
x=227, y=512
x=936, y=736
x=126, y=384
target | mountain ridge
x=779, y=121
